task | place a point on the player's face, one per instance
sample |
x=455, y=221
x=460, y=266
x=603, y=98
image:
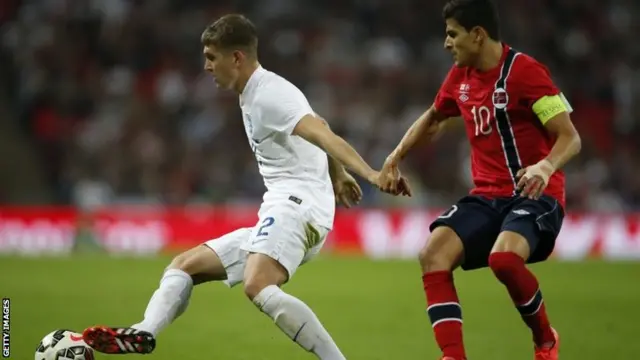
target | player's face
x=222, y=65
x=464, y=45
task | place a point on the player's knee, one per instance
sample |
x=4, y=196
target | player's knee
x=262, y=271
x=504, y=263
x=253, y=286
x=182, y=262
x=201, y=263
x=431, y=260
x=442, y=252
x=254, y=283
x=512, y=242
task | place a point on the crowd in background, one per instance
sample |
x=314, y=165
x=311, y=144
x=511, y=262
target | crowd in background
x=111, y=98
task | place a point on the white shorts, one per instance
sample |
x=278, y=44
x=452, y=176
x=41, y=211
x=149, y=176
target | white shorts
x=284, y=232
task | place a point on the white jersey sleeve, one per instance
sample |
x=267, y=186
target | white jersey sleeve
x=282, y=108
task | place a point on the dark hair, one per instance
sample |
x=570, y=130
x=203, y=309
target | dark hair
x=472, y=13
x=232, y=32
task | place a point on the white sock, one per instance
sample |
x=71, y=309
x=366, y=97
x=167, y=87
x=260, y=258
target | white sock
x=168, y=302
x=298, y=321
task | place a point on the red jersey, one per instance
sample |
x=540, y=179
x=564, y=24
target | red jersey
x=504, y=132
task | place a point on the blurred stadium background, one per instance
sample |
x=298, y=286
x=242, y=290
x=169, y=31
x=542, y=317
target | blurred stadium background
x=115, y=143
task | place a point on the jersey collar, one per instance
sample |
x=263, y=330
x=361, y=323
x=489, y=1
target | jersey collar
x=253, y=81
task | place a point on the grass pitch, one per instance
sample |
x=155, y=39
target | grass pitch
x=373, y=309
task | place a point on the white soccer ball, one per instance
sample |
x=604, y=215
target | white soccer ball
x=63, y=345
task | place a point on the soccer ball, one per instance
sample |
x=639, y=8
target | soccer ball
x=63, y=345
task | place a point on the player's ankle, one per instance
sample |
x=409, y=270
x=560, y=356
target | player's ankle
x=544, y=345
x=143, y=327
x=544, y=339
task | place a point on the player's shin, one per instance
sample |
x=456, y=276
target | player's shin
x=298, y=321
x=444, y=312
x=525, y=292
x=168, y=302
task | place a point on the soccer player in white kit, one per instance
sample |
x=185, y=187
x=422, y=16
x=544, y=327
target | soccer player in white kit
x=296, y=215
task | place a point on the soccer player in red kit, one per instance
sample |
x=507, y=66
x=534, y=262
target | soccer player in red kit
x=518, y=124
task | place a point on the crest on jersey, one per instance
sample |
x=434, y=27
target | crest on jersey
x=500, y=98
x=464, y=92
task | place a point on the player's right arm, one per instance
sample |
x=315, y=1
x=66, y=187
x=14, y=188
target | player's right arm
x=425, y=128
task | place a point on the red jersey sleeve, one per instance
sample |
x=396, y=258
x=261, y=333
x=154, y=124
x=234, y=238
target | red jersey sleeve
x=445, y=102
x=534, y=81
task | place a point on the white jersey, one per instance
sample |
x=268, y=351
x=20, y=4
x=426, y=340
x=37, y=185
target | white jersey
x=292, y=168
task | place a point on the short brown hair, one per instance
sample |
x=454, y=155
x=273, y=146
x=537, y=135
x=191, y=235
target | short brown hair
x=232, y=32
x=472, y=13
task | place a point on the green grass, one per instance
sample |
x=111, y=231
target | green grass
x=373, y=309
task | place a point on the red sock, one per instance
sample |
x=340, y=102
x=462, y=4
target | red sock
x=444, y=312
x=525, y=292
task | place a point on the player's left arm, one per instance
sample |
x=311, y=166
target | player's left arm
x=558, y=123
x=286, y=110
x=315, y=130
x=553, y=111
x=336, y=169
x=346, y=189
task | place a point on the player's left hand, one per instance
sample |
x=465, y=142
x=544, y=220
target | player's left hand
x=347, y=190
x=533, y=179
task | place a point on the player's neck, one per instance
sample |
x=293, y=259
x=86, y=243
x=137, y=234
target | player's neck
x=490, y=56
x=244, y=76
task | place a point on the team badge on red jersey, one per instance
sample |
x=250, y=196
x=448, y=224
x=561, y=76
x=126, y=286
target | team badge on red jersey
x=500, y=98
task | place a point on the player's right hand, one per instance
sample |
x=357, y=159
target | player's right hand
x=391, y=181
x=403, y=187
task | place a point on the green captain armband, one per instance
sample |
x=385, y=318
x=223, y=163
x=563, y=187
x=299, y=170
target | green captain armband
x=549, y=106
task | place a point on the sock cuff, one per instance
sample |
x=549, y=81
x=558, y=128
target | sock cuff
x=177, y=273
x=437, y=277
x=265, y=294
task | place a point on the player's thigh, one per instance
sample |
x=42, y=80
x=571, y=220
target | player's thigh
x=227, y=257
x=530, y=229
x=284, y=236
x=470, y=228
x=201, y=263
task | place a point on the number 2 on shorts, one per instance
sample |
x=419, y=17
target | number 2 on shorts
x=268, y=221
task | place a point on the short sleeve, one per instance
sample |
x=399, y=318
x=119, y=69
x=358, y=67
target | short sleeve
x=445, y=102
x=539, y=93
x=535, y=81
x=282, y=108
